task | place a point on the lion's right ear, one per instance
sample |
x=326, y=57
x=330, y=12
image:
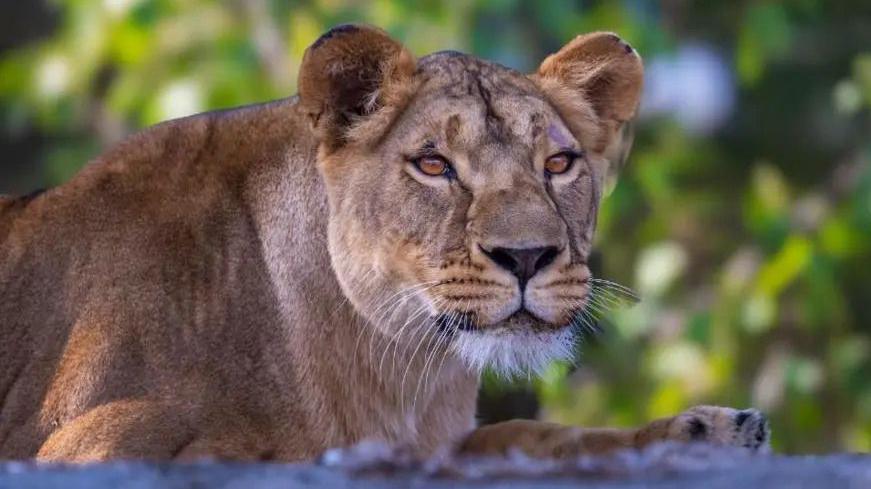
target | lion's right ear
x=349, y=73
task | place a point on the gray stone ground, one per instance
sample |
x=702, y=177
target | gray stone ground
x=372, y=466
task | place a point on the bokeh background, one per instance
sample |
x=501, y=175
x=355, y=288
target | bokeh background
x=743, y=219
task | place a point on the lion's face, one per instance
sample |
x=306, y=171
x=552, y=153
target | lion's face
x=465, y=212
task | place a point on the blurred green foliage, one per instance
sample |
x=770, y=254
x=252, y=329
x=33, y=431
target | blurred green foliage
x=750, y=244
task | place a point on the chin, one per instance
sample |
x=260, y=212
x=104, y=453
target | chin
x=520, y=345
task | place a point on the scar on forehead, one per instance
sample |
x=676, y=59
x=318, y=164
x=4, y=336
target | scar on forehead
x=452, y=129
x=558, y=136
x=535, y=124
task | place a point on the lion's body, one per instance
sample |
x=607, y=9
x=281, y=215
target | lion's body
x=223, y=285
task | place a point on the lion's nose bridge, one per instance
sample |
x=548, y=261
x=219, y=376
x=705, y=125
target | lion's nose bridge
x=517, y=218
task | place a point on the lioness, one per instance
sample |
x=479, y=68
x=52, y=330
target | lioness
x=275, y=280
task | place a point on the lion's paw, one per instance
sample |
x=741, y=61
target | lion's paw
x=746, y=428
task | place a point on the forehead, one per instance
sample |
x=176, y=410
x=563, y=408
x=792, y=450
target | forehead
x=456, y=74
x=470, y=101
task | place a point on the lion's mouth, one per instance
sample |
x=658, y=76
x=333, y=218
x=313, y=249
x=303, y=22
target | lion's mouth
x=518, y=344
x=454, y=322
x=522, y=315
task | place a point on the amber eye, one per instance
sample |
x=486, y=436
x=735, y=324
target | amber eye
x=559, y=163
x=433, y=165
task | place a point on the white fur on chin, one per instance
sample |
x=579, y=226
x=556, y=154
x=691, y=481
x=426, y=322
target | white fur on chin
x=511, y=352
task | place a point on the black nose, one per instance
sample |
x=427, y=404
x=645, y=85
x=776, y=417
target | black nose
x=522, y=262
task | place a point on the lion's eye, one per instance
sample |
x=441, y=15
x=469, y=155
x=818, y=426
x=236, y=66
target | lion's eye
x=559, y=163
x=433, y=165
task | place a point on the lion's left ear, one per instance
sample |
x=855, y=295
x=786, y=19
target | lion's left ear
x=598, y=73
x=350, y=73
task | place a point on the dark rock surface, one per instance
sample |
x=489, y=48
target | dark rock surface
x=373, y=466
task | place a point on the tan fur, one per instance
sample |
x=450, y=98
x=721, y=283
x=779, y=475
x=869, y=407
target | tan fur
x=271, y=281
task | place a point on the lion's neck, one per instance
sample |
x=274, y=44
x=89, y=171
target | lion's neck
x=408, y=393
x=346, y=391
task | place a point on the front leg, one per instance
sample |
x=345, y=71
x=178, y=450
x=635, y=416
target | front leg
x=717, y=425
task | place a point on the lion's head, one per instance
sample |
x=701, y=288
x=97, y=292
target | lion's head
x=463, y=194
